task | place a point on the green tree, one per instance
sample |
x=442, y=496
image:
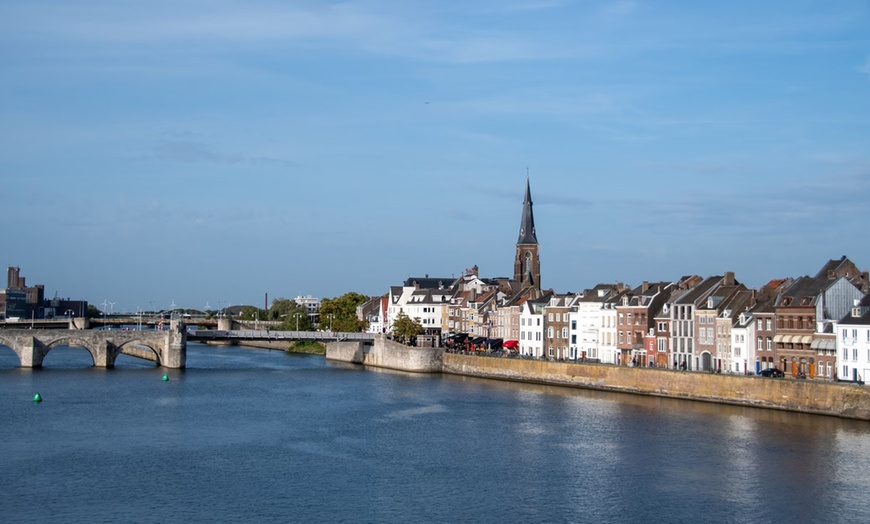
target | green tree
x=296, y=317
x=252, y=313
x=93, y=312
x=281, y=307
x=405, y=327
x=340, y=313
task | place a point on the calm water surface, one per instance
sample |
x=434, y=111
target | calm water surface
x=248, y=435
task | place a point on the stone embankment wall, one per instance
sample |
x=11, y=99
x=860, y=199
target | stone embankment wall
x=385, y=353
x=843, y=400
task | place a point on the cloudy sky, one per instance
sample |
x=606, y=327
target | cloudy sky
x=213, y=151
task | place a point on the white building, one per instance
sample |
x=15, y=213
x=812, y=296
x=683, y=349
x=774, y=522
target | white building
x=741, y=357
x=608, y=352
x=532, y=328
x=586, y=322
x=853, y=343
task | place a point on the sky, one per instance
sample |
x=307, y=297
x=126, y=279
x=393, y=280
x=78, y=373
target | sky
x=211, y=152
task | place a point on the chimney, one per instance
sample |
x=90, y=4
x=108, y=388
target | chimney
x=474, y=270
x=644, y=287
x=729, y=278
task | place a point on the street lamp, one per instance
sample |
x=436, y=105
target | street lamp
x=331, y=316
x=297, y=315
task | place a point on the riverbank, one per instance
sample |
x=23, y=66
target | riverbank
x=308, y=348
x=823, y=398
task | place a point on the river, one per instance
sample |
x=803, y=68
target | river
x=246, y=435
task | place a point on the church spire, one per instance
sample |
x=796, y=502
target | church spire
x=527, y=264
x=527, y=223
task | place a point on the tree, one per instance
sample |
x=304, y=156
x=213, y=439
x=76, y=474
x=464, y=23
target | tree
x=93, y=312
x=340, y=313
x=281, y=307
x=252, y=313
x=406, y=328
x=296, y=317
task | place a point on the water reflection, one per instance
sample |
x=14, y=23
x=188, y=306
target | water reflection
x=247, y=435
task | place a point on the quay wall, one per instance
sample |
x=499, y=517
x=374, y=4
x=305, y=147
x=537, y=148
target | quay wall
x=385, y=353
x=842, y=400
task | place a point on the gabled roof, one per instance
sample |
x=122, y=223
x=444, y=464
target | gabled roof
x=803, y=287
x=863, y=310
x=699, y=292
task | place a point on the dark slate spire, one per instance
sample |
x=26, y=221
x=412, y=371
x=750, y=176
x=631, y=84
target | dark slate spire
x=527, y=224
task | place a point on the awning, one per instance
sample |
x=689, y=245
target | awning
x=806, y=339
x=778, y=338
x=823, y=344
x=511, y=344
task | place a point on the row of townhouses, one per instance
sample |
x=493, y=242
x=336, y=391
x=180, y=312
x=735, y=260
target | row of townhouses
x=814, y=327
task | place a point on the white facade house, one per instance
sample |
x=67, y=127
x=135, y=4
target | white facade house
x=741, y=357
x=427, y=306
x=853, y=343
x=586, y=322
x=532, y=329
x=607, y=349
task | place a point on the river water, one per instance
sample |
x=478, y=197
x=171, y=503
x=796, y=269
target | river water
x=246, y=435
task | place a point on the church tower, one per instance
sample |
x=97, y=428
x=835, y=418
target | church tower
x=527, y=265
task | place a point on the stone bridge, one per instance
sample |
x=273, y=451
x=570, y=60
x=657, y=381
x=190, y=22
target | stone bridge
x=166, y=348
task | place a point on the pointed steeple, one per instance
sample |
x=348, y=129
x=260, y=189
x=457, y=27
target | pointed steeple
x=527, y=264
x=527, y=223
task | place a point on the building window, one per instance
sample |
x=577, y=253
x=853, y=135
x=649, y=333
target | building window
x=564, y=332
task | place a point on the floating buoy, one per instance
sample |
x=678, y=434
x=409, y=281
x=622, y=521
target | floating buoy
x=37, y=398
x=165, y=378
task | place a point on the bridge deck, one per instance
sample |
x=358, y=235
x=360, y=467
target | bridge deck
x=262, y=334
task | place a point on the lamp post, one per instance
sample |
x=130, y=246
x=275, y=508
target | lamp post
x=297, y=315
x=331, y=316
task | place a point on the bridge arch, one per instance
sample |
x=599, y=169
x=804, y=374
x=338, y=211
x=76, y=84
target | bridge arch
x=68, y=341
x=143, y=349
x=11, y=345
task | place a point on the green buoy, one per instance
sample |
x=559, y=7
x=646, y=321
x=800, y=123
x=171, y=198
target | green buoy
x=165, y=378
x=37, y=398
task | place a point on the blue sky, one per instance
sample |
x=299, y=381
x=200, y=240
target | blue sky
x=195, y=152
